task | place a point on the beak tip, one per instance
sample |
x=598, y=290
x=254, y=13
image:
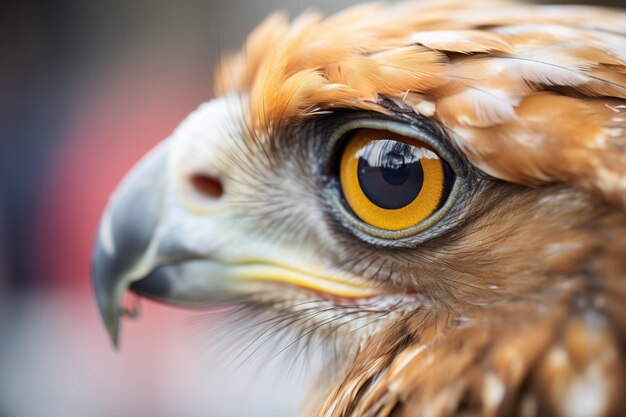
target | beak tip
x=109, y=315
x=107, y=305
x=113, y=337
x=112, y=328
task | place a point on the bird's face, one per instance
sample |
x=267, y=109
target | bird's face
x=264, y=221
x=397, y=214
x=214, y=215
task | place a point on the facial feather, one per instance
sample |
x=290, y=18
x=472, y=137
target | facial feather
x=498, y=291
x=526, y=296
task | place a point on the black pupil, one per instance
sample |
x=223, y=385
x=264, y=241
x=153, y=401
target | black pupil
x=390, y=173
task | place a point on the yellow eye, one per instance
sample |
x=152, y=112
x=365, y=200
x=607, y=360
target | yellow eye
x=391, y=181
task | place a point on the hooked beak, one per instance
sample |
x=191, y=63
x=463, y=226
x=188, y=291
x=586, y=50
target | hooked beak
x=124, y=235
x=127, y=240
x=156, y=241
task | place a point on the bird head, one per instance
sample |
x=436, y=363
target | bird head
x=438, y=189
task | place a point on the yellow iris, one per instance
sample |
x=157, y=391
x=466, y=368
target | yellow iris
x=353, y=182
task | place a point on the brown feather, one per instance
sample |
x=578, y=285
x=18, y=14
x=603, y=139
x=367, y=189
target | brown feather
x=354, y=58
x=527, y=315
x=536, y=338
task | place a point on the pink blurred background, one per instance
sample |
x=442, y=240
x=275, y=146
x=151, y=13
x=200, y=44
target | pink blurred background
x=88, y=87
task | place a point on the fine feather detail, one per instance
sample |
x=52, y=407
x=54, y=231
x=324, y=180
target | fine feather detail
x=528, y=94
x=481, y=64
x=479, y=107
x=462, y=41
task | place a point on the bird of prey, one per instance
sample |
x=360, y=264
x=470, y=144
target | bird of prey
x=436, y=189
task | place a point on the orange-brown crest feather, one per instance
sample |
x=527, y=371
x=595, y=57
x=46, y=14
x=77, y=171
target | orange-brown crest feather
x=483, y=65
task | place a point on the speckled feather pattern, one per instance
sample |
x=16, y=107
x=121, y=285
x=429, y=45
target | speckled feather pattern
x=528, y=313
x=532, y=322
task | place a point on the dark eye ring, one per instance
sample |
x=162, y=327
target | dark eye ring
x=394, y=180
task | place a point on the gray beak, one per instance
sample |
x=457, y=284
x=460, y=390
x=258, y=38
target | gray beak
x=140, y=246
x=125, y=234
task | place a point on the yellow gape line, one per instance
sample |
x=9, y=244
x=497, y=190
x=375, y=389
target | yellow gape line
x=421, y=207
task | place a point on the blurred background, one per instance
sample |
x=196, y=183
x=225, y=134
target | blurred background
x=86, y=88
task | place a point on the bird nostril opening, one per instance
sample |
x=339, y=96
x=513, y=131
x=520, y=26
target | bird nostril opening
x=207, y=186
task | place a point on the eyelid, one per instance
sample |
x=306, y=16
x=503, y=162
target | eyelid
x=400, y=128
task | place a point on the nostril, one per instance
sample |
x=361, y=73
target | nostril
x=207, y=186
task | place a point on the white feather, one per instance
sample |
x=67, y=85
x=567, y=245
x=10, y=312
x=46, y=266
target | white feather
x=485, y=106
x=536, y=69
x=529, y=29
x=438, y=37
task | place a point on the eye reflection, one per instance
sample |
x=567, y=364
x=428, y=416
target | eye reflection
x=390, y=172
